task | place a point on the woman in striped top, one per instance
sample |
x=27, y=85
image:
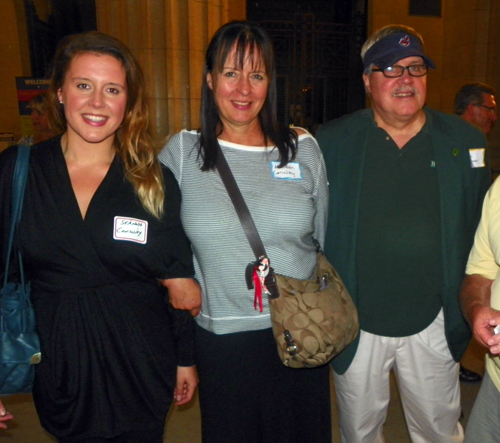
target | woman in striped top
x=246, y=393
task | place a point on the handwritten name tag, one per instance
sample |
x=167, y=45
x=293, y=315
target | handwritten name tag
x=130, y=229
x=289, y=172
x=477, y=157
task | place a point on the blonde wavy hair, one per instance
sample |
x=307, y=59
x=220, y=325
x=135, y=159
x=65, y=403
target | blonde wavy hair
x=133, y=141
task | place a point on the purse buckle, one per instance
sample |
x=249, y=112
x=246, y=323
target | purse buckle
x=291, y=347
x=323, y=281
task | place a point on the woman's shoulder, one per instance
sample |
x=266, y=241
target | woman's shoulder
x=305, y=139
x=183, y=137
x=178, y=143
x=51, y=143
x=37, y=152
x=307, y=148
x=7, y=159
x=175, y=145
x=300, y=131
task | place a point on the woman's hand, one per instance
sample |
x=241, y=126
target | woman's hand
x=4, y=416
x=184, y=293
x=185, y=386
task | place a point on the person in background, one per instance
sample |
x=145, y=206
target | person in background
x=475, y=103
x=246, y=394
x=101, y=235
x=406, y=186
x=40, y=119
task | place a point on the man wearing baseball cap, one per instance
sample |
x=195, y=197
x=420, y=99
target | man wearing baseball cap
x=406, y=187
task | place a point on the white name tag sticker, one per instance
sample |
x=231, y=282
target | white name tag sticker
x=130, y=229
x=477, y=157
x=289, y=172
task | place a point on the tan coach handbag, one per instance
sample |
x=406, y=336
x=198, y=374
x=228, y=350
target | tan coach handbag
x=313, y=320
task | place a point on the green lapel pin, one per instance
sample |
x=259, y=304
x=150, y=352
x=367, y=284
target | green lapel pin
x=455, y=152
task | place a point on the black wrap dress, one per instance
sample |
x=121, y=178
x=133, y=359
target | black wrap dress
x=110, y=343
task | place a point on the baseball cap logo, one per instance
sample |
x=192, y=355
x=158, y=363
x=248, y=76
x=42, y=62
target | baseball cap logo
x=405, y=41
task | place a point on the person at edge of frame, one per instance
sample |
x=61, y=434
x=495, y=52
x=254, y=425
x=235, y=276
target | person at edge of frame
x=476, y=104
x=115, y=354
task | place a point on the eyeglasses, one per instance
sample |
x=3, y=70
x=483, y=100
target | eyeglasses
x=488, y=108
x=398, y=71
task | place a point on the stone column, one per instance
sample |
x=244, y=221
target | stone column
x=169, y=38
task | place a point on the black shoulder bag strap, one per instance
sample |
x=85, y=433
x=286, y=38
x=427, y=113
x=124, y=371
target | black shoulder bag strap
x=248, y=225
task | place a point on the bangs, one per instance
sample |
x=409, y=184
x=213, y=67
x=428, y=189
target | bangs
x=245, y=49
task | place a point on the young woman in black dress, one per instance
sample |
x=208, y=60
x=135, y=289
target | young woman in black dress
x=100, y=231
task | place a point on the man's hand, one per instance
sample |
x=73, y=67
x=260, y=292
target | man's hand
x=475, y=301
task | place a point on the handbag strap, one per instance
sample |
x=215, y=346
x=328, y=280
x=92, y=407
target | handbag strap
x=246, y=219
x=240, y=205
x=18, y=187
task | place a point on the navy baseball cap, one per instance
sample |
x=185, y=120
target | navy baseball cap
x=393, y=48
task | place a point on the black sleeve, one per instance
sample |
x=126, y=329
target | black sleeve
x=184, y=334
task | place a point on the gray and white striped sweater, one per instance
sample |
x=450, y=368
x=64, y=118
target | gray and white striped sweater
x=288, y=211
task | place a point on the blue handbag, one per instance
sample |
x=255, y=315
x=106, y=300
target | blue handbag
x=19, y=342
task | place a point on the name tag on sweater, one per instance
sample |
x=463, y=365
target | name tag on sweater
x=130, y=229
x=477, y=158
x=289, y=172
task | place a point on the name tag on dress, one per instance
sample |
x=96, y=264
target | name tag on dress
x=289, y=172
x=130, y=229
x=477, y=158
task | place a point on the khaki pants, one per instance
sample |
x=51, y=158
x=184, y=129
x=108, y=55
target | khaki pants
x=427, y=379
